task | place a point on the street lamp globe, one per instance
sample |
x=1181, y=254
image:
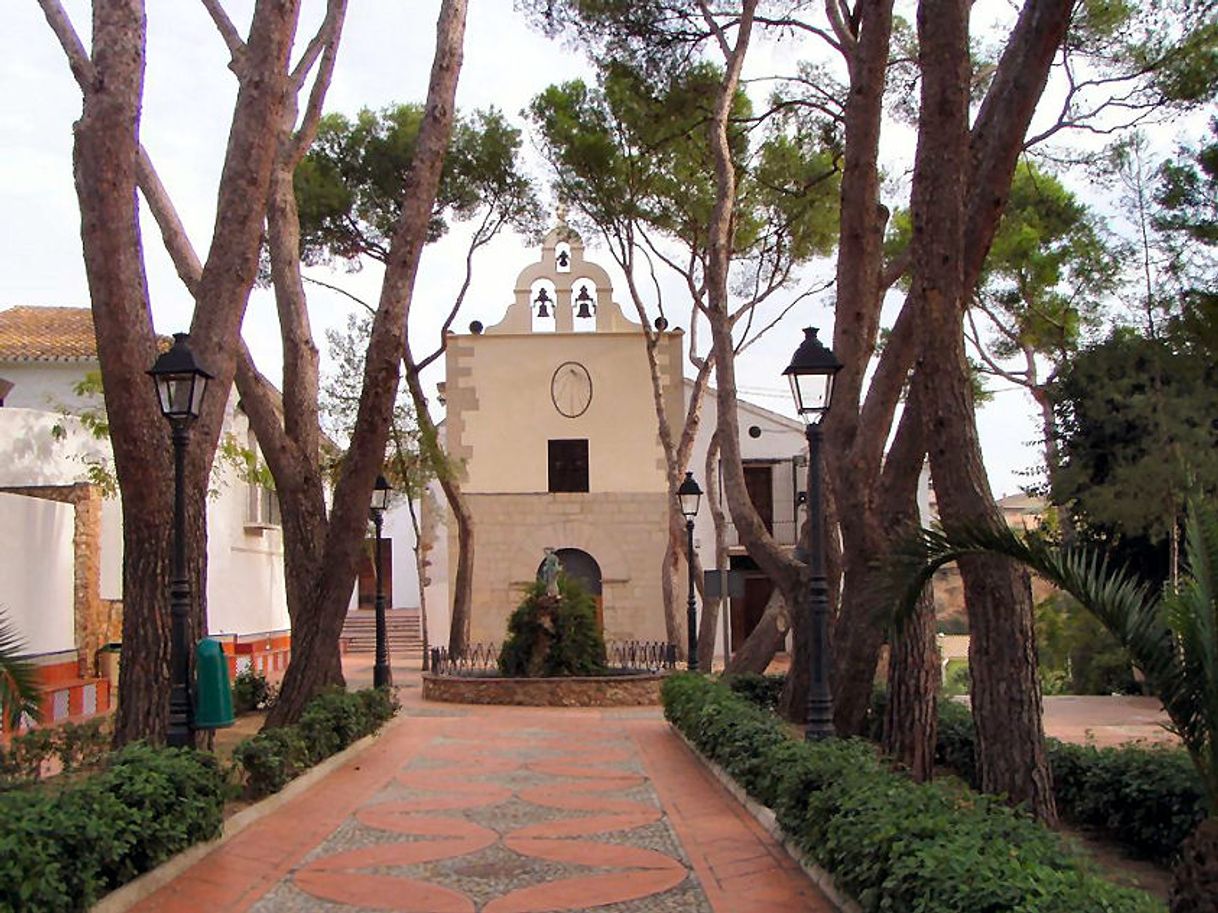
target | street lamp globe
x=380, y=494
x=180, y=381
x=811, y=373
x=689, y=495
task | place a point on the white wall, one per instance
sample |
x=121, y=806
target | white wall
x=30, y=455
x=439, y=605
x=46, y=385
x=245, y=586
x=36, y=571
x=112, y=549
x=405, y=578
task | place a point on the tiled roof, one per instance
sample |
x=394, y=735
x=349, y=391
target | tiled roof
x=47, y=334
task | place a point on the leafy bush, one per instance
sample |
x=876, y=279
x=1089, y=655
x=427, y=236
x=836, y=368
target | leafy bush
x=893, y=844
x=1148, y=798
x=61, y=850
x=252, y=691
x=572, y=643
x=1076, y=653
x=762, y=690
x=332, y=721
x=76, y=745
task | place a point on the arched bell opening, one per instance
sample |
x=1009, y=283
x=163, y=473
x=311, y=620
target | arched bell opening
x=583, y=304
x=544, y=300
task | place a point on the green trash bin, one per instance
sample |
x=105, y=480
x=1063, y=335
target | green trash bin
x=213, y=694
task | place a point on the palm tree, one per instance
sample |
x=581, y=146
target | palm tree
x=1172, y=635
x=19, y=691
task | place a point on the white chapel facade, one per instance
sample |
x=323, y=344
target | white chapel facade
x=551, y=419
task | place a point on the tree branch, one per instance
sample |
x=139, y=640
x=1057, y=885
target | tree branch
x=228, y=31
x=78, y=57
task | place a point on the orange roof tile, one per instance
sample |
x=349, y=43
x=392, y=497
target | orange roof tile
x=47, y=334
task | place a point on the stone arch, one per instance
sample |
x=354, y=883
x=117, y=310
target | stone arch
x=583, y=567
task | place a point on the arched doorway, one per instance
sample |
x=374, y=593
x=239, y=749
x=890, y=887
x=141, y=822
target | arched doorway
x=581, y=566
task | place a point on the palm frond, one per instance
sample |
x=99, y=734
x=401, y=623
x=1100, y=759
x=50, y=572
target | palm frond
x=1192, y=614
x=1172, y=637
x=19, y=690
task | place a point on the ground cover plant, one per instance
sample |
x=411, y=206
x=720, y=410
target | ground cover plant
x=331, y=721
x=64, y=846
x=890, y=843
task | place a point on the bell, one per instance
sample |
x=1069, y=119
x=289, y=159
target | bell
x=583, y=299
x=542, y=299
x=564, y=259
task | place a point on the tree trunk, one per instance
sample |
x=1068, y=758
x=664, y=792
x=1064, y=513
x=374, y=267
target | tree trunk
x=327, y=588
x=673, y=626
x=1195, y=876
x=780, y=567
x=911, y=717
x=1006, y=694
x=852, y=463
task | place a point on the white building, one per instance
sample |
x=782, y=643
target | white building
x=61, y=569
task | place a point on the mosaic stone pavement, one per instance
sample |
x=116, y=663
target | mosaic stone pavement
x=503, y=821
x=502, y=810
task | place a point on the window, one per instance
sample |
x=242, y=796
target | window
x=261, y=503
x=262, y=508
x=569, y=465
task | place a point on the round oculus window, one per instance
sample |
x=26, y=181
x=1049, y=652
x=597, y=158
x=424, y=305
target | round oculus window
x=571, y=389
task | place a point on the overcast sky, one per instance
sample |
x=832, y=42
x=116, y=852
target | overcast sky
x=385, y=58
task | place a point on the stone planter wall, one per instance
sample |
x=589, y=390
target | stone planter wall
x=597, y=691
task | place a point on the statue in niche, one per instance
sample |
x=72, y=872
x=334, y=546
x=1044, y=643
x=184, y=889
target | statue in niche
x=548, y=572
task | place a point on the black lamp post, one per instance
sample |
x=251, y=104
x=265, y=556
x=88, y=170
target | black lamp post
x=689, y=495
x=382, y=675
x=811, y=373
x=180, y=384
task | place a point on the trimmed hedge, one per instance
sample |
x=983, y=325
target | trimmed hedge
x=1148, y=798
x=332, y=721
x=62, y=850
x=892, y=844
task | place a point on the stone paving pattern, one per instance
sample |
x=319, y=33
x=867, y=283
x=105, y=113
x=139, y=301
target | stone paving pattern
x=504, y=810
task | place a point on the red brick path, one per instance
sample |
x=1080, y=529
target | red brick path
x=504, y=810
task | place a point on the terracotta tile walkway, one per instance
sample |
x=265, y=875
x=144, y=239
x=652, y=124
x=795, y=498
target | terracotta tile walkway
x=504, y=810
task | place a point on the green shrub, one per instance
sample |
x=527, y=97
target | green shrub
x=76, y=745
x=1148, y=798
x=762, y=690
x=332, y=721
x=252, y=691
x=573, y=644
x=60, y=850
x=893, y=844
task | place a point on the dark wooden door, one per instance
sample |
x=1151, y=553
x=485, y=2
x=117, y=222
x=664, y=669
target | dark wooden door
x=747, y=611
x=367, y=574
x=759, y=482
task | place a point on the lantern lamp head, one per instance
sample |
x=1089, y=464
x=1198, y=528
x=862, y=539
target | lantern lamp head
x=689, y=496
x=180, y=381
x=811, y=373
x=380, y=494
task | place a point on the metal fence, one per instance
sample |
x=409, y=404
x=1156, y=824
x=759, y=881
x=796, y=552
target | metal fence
x=623, y=655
